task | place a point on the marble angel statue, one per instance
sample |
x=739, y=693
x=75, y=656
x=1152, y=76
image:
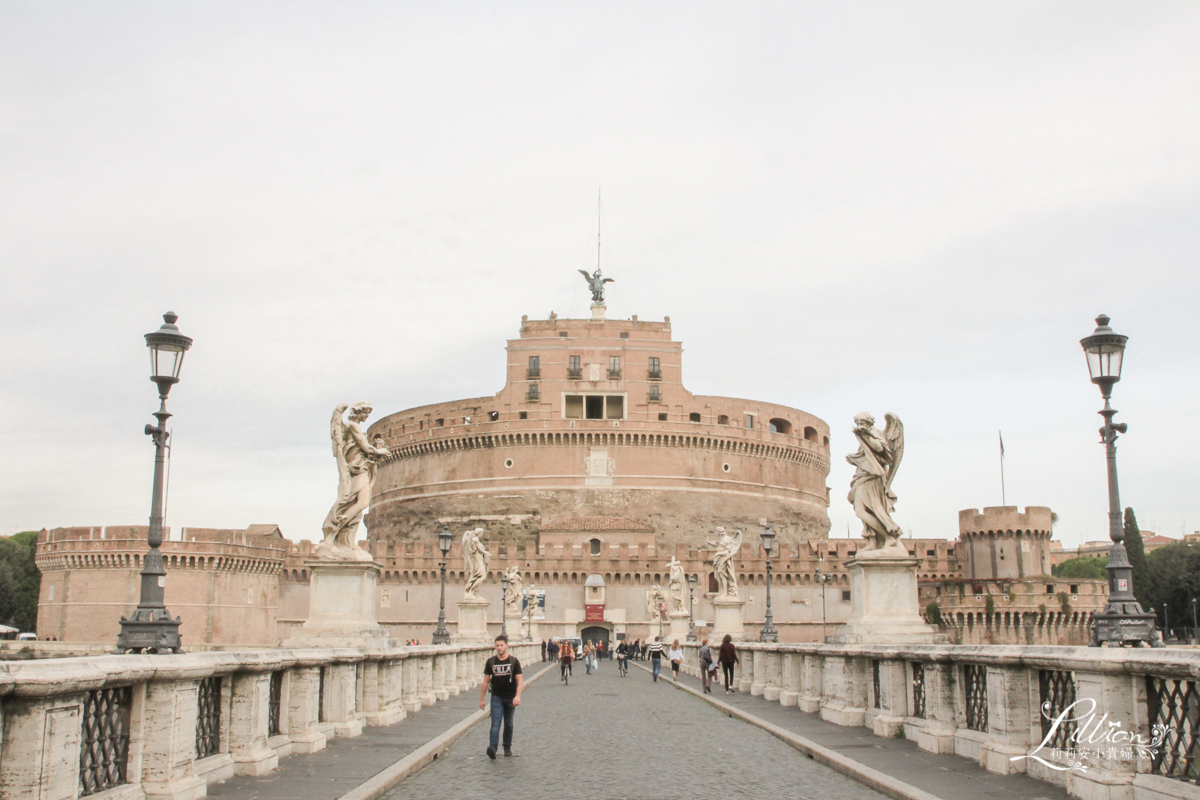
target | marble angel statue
x=356, y=460
x=871, y=494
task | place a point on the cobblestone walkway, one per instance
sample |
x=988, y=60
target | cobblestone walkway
x=605, y=737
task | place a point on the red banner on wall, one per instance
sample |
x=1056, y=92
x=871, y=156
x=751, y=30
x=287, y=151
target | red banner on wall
x=593, y=612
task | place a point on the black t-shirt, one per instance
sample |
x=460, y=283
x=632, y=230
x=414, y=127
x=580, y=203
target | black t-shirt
x=504, y=676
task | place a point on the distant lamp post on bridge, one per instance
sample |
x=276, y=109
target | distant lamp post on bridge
x=1166, y=623
x=768, y=632
x=691, y=637
x=445, y=542
x=151, y=627
x=504, y=604
x=1122, y=621
x=823, y=577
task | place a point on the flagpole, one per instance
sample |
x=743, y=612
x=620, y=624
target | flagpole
x=1003, y=497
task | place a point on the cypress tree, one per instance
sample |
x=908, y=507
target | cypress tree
x=1136, y=550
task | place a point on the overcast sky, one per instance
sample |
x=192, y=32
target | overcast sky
x=843, y=207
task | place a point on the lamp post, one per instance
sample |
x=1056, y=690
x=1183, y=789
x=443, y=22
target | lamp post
x=1166, y=623
x=1122, y=621
x=1195, y=628
x=768, y=632
x=823, y=578
x=504, y=604
x=445, y=541
x=151, y=627
x=691, y=637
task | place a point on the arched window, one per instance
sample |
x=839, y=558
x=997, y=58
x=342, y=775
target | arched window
x=810, y=433
x=779, y=426
x=723, y=419
x=595, y=543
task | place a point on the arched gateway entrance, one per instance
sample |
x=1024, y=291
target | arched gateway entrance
x=595, y=634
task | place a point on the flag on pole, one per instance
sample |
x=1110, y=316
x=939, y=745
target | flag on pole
x=1001, y=443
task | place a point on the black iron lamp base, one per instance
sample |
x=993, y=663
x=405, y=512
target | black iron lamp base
x=150, y=630
x=768, y=634
x=1124, y=623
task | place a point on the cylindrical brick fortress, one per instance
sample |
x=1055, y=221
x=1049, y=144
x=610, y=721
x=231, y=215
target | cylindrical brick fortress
x=594, y=421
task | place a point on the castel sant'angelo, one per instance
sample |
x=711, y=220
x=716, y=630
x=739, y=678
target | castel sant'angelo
x=589, y=472
x=594, y=427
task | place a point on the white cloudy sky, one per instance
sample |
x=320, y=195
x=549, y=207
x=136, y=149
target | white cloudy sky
x=915, y=207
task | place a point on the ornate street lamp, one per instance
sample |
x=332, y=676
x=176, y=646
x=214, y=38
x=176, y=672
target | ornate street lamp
x=151, y=628
x=445, y=542
x=1166, y=623
x=691, y=637
x=768, y=632
x=504, y=604
x=823, y=577
x=1122, y=621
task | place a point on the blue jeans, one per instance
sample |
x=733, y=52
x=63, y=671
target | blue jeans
x=655, y=667
x=502, y=709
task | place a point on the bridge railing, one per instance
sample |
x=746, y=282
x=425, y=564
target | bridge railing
x=1082, y=718
x=133, y=726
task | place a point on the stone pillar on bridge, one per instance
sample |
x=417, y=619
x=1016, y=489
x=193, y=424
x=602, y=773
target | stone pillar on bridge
x=248, y=724
x=304, y=693
x=341, y=606
x=727, y=619
x=472, y=621
x=884, y=604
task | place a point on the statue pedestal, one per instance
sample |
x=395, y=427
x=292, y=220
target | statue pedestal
x=514, y=625
x=472, y=621
x=727, y=619
x=598, y=310
x=341, y=605
x=679, y=627
x=884, y=605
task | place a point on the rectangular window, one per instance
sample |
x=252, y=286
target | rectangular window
x=574, y=406
x=522, y=415
x=749, y=420
x=614, y=367
x=655, y=372
x=655, y=394
x=595, y=406
x=535, y=367
x=624, y=335
x=614, y=406
x=534, y=393
x=574, y=369
x=562, y=334
x=662, y=416
x=845, y=595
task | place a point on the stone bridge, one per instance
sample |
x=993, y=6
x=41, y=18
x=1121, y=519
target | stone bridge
x=913, y=722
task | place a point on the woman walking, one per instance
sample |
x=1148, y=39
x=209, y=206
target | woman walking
x=676, y=656
x=706, y=660
x=727, y=656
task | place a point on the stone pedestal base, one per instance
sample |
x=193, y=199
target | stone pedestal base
x=598, y=310
x=515, y=627
x=679, y=627
x=341, y=605
x=472, y=621
x=727, y=619
x=884, y=605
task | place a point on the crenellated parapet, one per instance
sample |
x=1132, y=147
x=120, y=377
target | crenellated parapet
x=1004, y=543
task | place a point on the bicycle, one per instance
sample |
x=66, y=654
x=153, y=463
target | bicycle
x=623, y=666
x=565, y=666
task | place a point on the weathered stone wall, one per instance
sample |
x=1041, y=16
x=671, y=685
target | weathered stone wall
x=223, y=584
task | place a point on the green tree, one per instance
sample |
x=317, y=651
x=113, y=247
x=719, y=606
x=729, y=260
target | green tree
x=1174, y=578
x=20, y=581
x=1136, y=551
x=1083, y=567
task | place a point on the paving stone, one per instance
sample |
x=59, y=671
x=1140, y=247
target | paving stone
x=606, y=737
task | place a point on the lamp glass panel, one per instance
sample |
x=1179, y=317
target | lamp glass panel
x=165, y=360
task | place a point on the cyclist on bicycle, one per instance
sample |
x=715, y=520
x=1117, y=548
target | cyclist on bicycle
x=565, y=657
x=622, y=657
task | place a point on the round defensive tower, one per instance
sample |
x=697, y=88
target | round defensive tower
x=594, y=422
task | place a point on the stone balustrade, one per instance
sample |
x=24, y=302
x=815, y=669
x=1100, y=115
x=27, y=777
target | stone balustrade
x=987, y=702
x=166, y=726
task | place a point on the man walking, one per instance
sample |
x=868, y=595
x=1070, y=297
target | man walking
x=502, y=674
x=655, y=650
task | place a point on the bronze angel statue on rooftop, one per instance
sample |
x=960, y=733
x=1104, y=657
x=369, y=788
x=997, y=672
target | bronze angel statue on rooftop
x=596, y=284
x=871, y=494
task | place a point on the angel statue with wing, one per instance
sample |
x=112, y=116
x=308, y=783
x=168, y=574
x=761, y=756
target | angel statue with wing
x=871, y=493
x=356, y=460
x=596, y=284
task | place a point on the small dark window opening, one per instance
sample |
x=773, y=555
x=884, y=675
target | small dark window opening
x=931, y=552
x=750, y=421
x=655, y=394
x=493, y=416
x=713, y=586
x=614, y=367
x=574, y=369
x=594, y=406
x=781, y=426
x=1049, y=588
x=845, y=595
x=624, y=335
x=595, y=543
x=562, y=334
x=534, y=391
x=723, y=419
x=441, y=423
x=1074, y=588
x=535, y=367
x=810, y=433
x=693, y=417
x=522, y=415
x=662, y=416
x=655, y=372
